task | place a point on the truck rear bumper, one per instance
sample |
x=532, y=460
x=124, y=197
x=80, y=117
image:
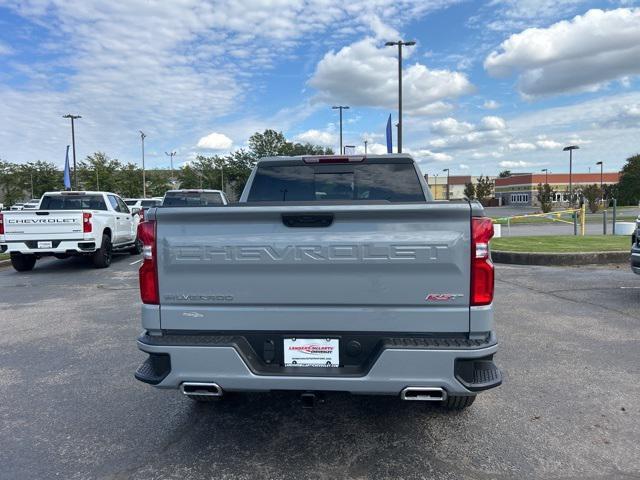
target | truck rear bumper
x=57, y=246
x=462, y=370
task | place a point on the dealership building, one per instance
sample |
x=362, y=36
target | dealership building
x=522, y=188
x=439, y=185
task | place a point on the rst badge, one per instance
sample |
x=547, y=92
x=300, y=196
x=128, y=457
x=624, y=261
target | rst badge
x=443, y=297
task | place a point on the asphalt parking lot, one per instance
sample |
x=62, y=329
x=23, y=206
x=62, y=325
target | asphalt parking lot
x=70, y=407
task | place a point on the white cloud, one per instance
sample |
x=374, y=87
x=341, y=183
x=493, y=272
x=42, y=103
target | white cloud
x=516, y=164
x=425, y=154
x=463, y=135
x=215, y=141
x=464, y=166
x=450, y=126
x=179, y=68
x=372, y=148
x=582, y=54
x=522, y=147
x=490, y=105
x=366, y=75
x=317, y=137
x=547, y=144
x=5, y=49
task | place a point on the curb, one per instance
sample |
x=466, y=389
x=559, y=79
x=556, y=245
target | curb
x=559, y=259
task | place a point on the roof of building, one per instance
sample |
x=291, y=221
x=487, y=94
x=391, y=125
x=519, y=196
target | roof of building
x=557, y=178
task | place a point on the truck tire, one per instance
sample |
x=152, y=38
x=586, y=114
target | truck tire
x=458, y=403
x=137, y=247
x=23, y=263
x=102, y=257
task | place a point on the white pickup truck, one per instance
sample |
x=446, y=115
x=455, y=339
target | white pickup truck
x=93, y=224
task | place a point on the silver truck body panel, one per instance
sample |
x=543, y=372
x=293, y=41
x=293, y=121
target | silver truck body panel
x=373, y=268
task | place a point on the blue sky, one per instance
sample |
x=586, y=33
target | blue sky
x=502, y=84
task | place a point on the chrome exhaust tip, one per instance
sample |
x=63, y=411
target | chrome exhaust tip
x=424, y=394
x=201, y=389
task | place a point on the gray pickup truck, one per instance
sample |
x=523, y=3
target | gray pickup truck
x=331, y=274
x=635, y=248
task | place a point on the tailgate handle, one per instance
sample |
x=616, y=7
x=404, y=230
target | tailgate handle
x=42, y=213
x=308, y=220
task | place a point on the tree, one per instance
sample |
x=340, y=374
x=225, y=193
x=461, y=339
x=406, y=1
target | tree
x=504, y=174
x=469, y=191
x=99, y=172
x=545, y=197
x=629, y=185
x=592, y=193
x=267, y=144
x=19, y=182
x=484, y=189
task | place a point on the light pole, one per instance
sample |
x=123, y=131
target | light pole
x=144, y=179
x=570, y=149
x=73, y=142
x=341, y=108
x=365, y=146
x=400, y=44
x=601, y=169
x=447, y=170
x=546, y=175
x=171, y=155
x=31, y=172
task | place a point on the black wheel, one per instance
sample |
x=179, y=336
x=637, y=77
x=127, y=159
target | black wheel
x=102, y=257
x=23, y=263
x=458, y=403
x=137, y=248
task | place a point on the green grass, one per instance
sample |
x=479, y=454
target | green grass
x=562, y=244
x=4, y=256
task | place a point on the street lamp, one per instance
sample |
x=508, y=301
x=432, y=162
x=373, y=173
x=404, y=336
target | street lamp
x=546, y=175
x=365, y=146
x=73, y=142
x=144, y=180
x=400, y=44
x=601, y=168
x=570, y=149
x=171, y=154
x=340, y=107
x=447, y=170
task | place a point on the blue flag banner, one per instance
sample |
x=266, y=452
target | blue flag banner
x=389, y=136
x=67, y=172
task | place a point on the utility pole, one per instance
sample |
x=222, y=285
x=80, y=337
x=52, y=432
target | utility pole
x=221, y=178
x=144, y=178
x=73, y=142
x=570, y=149
x=447, y=170
x=31, y=172
x=171, y=155
x=400, y=44
x=340, y=107
x=97, y=178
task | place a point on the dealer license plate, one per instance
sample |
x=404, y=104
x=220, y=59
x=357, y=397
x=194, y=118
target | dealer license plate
x=311, y=352
x=45, y=244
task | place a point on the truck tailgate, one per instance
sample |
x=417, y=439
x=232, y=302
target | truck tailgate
x=383, y=268
x=43, y=224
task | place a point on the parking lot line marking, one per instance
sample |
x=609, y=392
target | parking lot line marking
x=137, y=261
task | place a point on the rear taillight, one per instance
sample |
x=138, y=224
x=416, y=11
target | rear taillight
x=1, y=224
x=86, y=223
x=482, y=273
x=148, y=273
